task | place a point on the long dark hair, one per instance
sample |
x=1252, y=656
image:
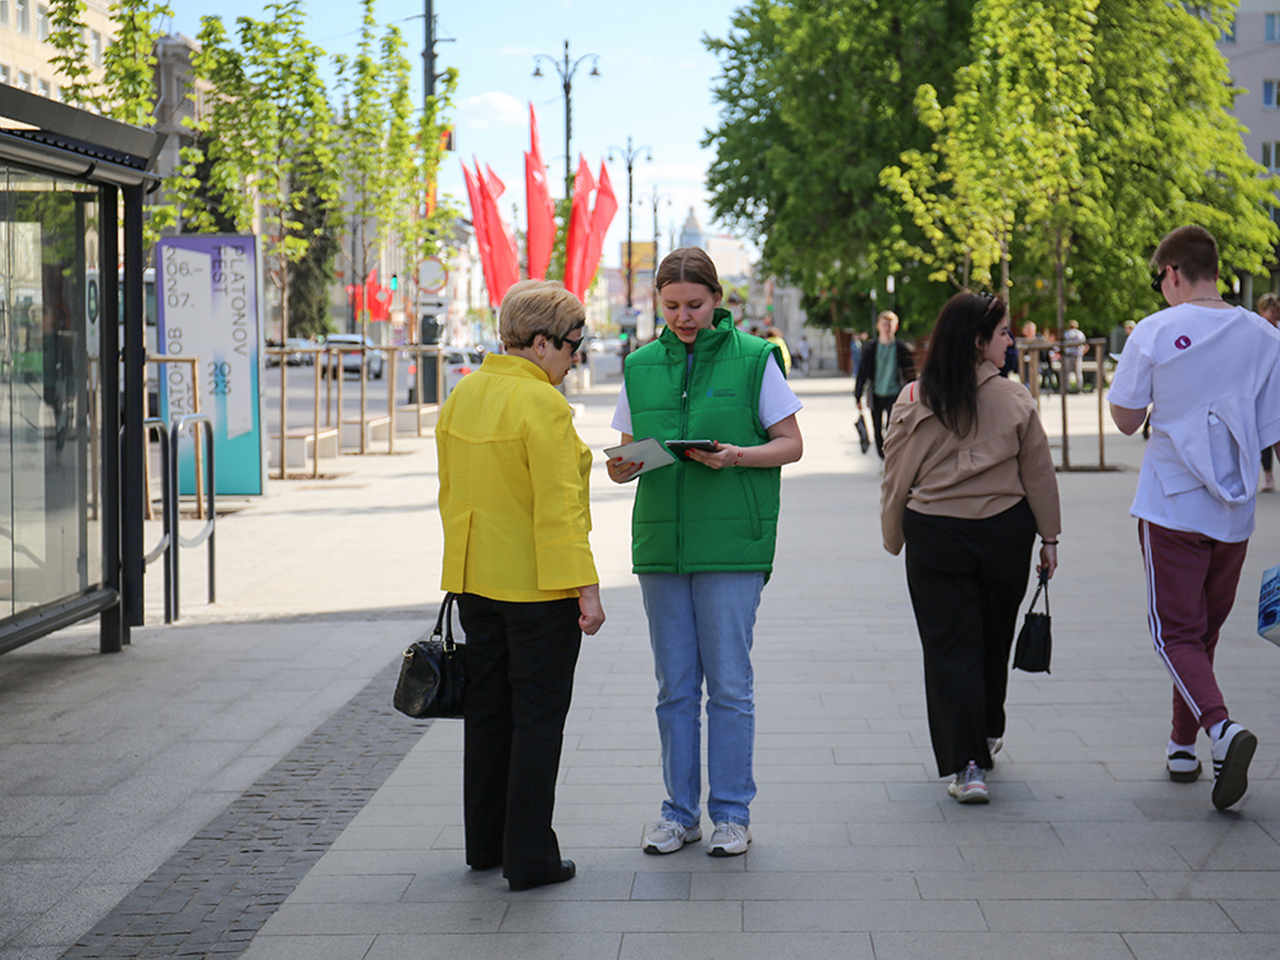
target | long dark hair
x=949, y=382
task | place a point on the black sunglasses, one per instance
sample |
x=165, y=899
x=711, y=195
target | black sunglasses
x=1157, y=280
x=561, y=341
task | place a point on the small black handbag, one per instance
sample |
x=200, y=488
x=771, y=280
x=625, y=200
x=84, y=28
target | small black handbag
x=1034, y=642
x=864, y=441
x=433, y=678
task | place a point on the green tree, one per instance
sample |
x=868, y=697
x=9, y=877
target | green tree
x=218, y=181
x=814, y=102
x=129, y=62
x=291, y=111
x=1168, y=152
x=71, y=61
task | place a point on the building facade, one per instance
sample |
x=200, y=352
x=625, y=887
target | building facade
x=24, y=55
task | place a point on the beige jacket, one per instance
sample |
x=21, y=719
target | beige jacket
x=931, y=470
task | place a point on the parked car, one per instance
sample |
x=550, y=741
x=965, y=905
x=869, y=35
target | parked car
x=298, y=358
x=349, y=344
x=458, y=362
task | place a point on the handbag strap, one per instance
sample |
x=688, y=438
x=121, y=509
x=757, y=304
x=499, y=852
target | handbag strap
x=444, y=622
x=1042, y=585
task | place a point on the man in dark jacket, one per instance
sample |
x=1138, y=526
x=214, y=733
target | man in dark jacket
x=886, y=365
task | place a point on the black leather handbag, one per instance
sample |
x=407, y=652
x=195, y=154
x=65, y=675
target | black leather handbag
x=1035, y=645
x=433, y=678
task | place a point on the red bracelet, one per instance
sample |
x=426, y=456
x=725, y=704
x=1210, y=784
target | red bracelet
x=737, y=461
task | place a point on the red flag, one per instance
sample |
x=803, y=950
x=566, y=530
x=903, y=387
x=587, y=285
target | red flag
x=541, y=236
x=579, y=231
x=506, y=270
x=602, y=212
x=478, y=222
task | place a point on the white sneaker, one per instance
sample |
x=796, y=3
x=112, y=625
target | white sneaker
x=970, y=785
x=1232, y=752
x=1182, y=763
x=729, y=839
x=668, y=836
x=993, y=746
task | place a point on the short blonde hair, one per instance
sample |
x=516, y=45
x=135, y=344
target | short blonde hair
x=887, y=315
x=1268, y=301
x=532, y=307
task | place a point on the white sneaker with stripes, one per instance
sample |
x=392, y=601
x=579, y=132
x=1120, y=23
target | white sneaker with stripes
x=1232, y=752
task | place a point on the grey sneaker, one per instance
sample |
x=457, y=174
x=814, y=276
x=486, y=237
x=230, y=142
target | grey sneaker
x=993, y=746
x=668, y=836
x=729, y=839
x=970, y=785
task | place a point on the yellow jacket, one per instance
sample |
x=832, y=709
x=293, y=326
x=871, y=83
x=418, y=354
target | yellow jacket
x=514, y=490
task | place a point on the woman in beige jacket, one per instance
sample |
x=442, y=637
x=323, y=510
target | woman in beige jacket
x=968, y=482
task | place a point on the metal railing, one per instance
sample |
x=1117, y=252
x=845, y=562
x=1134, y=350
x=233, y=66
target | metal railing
x=166, y=546
x=191, y=422
x=328, y=359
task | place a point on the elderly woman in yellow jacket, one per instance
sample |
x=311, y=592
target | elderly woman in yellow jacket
x=514, y=504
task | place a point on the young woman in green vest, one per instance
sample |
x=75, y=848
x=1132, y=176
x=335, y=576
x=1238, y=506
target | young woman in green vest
x=703, y=534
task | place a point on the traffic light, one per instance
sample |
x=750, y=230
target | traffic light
x=395, y=282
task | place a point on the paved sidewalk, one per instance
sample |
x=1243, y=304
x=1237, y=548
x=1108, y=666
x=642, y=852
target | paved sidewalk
x=111, y=768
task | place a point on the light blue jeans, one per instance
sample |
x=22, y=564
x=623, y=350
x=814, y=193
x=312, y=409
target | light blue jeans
x=700, y=624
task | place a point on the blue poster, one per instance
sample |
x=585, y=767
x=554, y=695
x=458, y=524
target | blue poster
x=207, y=292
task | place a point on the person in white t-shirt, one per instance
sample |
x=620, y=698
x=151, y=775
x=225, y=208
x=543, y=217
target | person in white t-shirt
x=1208, y=371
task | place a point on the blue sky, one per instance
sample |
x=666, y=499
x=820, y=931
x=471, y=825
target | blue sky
x=654, y=85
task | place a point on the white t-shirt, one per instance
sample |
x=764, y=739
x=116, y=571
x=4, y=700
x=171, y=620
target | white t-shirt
x=1157, y=340
x=777, y=402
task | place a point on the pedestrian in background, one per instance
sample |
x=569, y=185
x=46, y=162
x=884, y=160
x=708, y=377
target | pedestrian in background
x=774, y=336
x=703, y=534
x=514, y=505
x=801, y=355
x=885, y=365
x=1073, y=355
x=1269, y=310
x=968, y=481
x=1210, y=373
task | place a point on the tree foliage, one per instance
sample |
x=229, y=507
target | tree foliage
x=1093, y=161
x=816, y=98
x=71, y=61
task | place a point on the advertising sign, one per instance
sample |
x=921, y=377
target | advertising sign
x=208, y=301
x=645, y=253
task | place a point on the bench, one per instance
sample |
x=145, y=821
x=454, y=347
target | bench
x=409, y=417
x=375, y=429
x=298, y=446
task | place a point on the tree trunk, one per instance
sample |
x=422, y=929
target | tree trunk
x=1059, y=278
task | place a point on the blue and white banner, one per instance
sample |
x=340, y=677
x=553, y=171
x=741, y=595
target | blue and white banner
x=209, y=308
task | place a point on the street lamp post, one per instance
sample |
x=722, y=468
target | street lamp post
x=656, y=201
x=566, y=72
x=629, y=157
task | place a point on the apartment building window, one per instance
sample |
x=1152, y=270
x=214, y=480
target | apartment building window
x=4, y=12
x=4, y=73
x=46, y=91
x=24, y=80
x=1273, y=28
x=1229, y=34
x=96, y=44
x=1269, y=93
x=22, y=15
x=42, y=22
x=1271, y=155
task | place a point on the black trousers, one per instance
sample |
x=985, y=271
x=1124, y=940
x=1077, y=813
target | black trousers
x=520, y=659
x=880, y=407
x=967, y=579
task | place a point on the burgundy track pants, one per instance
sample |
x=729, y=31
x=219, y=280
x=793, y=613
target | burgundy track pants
x=1191, y=585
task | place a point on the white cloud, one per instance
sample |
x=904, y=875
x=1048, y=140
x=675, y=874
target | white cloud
x=492, y=110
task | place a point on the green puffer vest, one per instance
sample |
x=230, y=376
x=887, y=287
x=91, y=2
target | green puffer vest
x=687, y=517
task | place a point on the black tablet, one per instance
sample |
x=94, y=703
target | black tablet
x=679, y=447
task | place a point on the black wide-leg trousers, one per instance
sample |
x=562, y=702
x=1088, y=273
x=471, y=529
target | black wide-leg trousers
x=967, y=579
x=520, y=659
